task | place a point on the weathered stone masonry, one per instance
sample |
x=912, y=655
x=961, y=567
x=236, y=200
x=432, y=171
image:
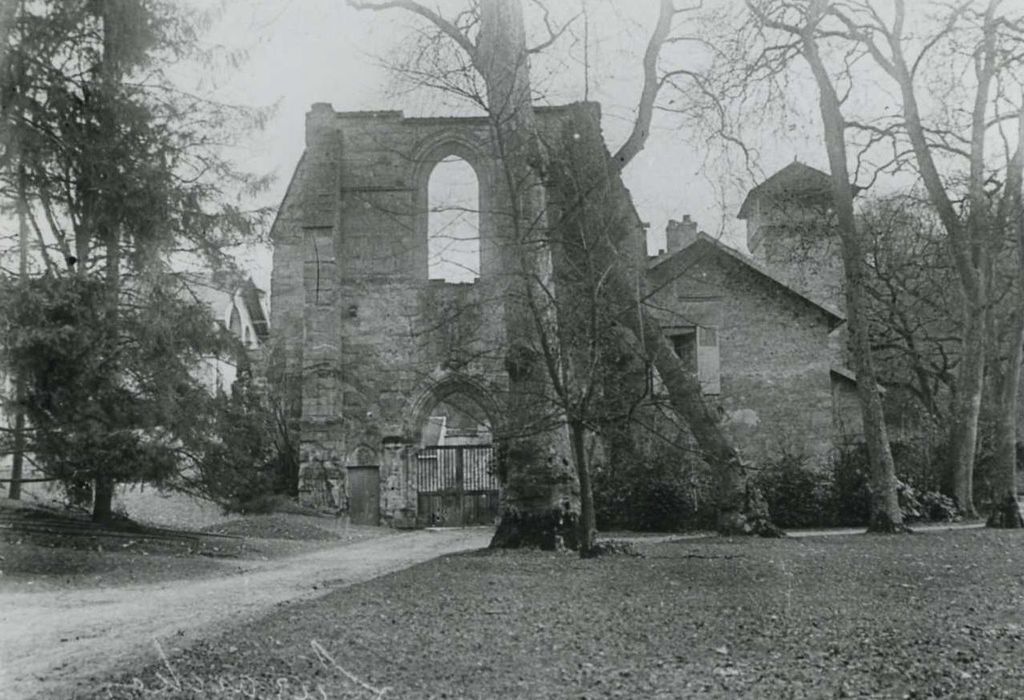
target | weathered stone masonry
x=364, y=344
x=773, y=344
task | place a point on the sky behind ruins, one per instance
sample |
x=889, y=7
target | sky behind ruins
x=306, y=51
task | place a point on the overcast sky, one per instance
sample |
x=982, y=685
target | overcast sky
x=306, y=51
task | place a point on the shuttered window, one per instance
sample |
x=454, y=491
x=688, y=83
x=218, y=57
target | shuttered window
x=685, y=345
x=697, y=348
x=707, y=360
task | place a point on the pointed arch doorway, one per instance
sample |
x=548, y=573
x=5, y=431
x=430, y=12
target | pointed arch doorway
x=456, y=471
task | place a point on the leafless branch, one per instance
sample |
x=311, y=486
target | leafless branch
x=645, y=109
x=553, y=33
x=449, y=29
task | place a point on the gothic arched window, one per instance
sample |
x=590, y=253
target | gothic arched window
x=453, y=222
x=235, y=324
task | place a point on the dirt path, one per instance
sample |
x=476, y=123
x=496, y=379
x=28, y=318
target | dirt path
x=49, y=641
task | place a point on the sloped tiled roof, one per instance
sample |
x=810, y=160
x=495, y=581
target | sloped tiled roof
x=251, y=295
x=704, y=243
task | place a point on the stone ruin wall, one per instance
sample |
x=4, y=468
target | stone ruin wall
x=364, y=344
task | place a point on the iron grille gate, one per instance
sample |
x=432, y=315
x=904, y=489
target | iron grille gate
x=456, y=486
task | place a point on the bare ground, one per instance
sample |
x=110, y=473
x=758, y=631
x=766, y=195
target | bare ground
x=54, y=643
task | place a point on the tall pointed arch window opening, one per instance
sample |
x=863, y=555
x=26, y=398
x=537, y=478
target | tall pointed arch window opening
x=453, y=222
x=235, y=323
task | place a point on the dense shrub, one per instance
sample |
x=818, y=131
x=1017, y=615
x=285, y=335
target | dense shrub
x=662, y=495
x=920, y=463
x=925, y=506
x=668, y=495
x=800, y=495
x=247, y=466
x=850, y=497
x=797, y=494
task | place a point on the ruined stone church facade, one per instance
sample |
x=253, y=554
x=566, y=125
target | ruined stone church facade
x=365, y=346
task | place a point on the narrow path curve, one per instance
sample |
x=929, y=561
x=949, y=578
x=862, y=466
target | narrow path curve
x=49, y=641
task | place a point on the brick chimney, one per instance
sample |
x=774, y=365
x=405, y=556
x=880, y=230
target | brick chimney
x=319, y=120
x=680, y=234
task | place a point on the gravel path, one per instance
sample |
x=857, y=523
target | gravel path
x=50, y=642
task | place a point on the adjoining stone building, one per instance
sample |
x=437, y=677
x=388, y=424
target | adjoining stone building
x=766, y=354
x=396, y=381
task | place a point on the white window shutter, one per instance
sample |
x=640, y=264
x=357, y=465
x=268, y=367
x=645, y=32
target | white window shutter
x=707, y=360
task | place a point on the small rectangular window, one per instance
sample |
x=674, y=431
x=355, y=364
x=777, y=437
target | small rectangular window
x=685, y=345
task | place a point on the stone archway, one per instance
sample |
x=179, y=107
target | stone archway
x=441, y=389
x=400, y=464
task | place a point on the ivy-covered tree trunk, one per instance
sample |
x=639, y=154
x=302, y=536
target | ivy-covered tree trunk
x=597, y=205
x=540, y=502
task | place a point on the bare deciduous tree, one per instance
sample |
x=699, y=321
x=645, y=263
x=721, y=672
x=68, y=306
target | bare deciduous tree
x=800, y=27
x=499, y=55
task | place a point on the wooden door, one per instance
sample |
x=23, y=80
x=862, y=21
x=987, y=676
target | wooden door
x=364, y=495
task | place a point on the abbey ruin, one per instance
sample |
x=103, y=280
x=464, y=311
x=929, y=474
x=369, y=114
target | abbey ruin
x=396, y=381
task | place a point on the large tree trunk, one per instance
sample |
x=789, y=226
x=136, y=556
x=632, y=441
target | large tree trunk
x=967, y=409
x=885, y=515
x=587, y=179
x=18, y=458
x=103, y=499
x=1006, y=512
x=1006, y=509
x=973, y=260
x=969, y=249
x=106, y=226
x=540, y=500
x=588, y=521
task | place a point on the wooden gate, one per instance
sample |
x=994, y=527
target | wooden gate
x=456, y=486
x=364, y=495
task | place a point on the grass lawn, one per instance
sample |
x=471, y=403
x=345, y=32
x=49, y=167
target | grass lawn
x=927, y=615
x=51, y=549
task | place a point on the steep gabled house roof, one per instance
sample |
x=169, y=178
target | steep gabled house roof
x=252, y=296
x=704, y=245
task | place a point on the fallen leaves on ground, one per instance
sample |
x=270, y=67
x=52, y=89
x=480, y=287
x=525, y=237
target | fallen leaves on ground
x=936, y=615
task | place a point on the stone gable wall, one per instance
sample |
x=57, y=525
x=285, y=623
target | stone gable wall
x=774, y=353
